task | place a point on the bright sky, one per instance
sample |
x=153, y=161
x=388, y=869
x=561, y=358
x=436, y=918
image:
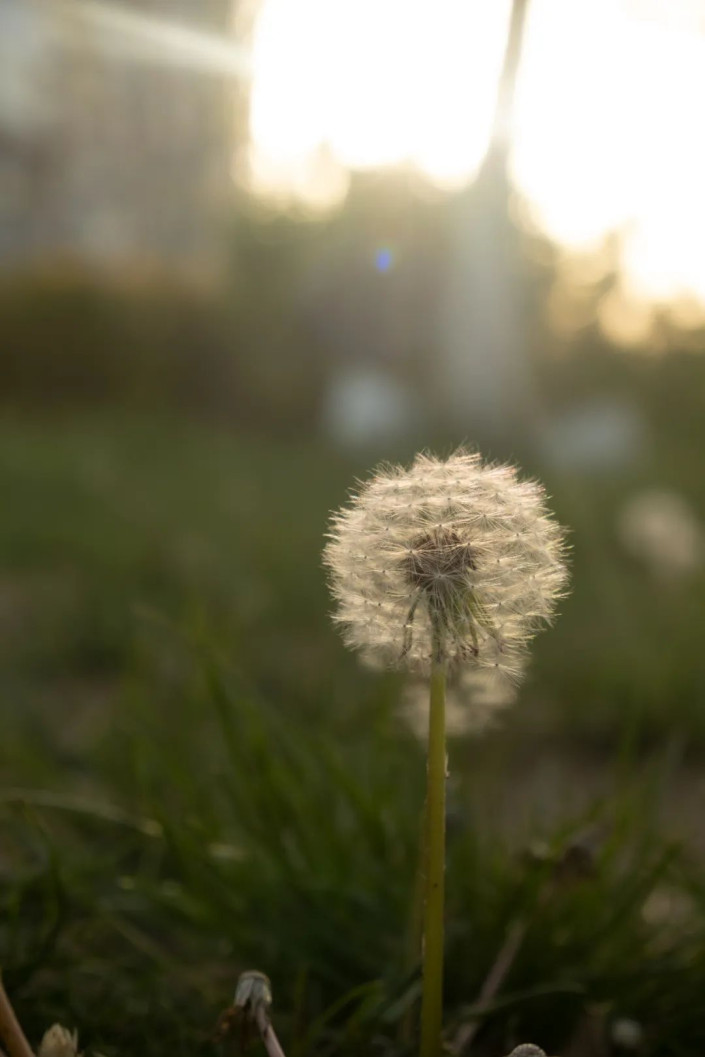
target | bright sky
x=359, y=84
x=607, y=134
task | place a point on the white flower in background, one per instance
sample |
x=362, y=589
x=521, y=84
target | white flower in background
x=661, y=529
x=627, y=1034
x=451, y=554
x=58, y=1042
x=527, y=1049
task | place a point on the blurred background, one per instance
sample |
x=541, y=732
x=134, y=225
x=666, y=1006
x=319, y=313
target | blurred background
x=248, y=249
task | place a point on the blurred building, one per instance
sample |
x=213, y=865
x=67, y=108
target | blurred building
x=116, y=127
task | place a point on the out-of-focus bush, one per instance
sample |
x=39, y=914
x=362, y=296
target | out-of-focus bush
x=147, y=340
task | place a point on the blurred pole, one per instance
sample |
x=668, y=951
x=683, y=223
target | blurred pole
x=485, y=382
x=508, y=77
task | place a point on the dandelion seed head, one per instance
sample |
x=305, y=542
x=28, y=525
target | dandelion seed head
x=457, y=545
x=438, y=560
x=58, y=1042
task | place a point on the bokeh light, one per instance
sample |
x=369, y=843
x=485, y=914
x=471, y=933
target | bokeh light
x=384, y=259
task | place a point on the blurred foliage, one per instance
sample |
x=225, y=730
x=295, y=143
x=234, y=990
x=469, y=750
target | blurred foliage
x=250, y=838
x=152, y=340
x=210, y=782
x=255, y=346
x=75, y=337
x=113, y=524
x=197, y=778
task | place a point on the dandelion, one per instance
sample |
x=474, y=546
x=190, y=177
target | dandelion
x=58, y=1042
x=457, y=553
x=447, y=568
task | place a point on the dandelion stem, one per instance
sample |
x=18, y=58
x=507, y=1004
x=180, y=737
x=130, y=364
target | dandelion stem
x=10, y=1031
x=432, y=988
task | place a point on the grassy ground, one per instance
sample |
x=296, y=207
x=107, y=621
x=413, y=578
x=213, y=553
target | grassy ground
x=196, y=777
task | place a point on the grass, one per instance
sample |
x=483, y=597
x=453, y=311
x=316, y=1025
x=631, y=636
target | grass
x=285, y=850
x=197, y=779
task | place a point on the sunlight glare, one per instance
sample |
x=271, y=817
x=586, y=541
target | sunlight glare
x=606, y=137
x=375, y=83
x=605, y=133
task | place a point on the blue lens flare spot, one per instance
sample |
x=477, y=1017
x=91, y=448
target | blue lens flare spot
x=384, y=259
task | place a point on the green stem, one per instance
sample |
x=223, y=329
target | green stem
x=432, y=990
